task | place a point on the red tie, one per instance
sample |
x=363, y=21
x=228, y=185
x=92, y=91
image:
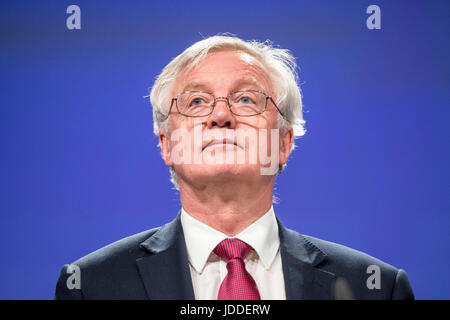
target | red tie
x=238, y=283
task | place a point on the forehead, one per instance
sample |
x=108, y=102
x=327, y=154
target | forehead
x=225, y=70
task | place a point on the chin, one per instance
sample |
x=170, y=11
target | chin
x=229, y=169
x=222, y=172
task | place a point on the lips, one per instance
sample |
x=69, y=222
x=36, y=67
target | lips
x=219, y=142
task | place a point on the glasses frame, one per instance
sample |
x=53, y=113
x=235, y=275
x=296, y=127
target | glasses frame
x=222, y=98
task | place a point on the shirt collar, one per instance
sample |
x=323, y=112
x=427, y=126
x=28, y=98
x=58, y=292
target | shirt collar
x=201, y=239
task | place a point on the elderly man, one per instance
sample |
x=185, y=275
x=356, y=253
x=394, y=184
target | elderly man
x=226, y=112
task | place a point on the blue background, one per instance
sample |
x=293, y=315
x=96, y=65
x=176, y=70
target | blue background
x=79, y=163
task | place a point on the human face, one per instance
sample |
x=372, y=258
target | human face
x=211, y=148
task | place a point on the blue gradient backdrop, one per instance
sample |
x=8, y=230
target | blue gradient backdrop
x=79, y=163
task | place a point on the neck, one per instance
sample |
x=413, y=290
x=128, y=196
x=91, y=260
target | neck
x=228, y=207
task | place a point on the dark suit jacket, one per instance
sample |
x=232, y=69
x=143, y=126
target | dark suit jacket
x=154, y=265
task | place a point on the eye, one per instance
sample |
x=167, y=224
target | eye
x=197, y=102
x=245, y=100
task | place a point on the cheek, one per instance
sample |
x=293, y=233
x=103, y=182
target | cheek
x=186, y=140
x=273, y=119
x=265, y=120
x=177, y=121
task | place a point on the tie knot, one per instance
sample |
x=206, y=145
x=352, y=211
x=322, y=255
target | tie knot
x=232, y=249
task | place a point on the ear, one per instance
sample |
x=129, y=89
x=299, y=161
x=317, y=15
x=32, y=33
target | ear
x=164, y=143
x=286, y=142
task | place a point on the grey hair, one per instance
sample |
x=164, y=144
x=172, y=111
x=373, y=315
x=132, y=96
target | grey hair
x=279, y=64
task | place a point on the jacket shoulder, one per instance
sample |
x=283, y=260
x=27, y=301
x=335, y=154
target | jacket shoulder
x=365, y=276
x=107, y=273
x=124, y=248
x=338, y=253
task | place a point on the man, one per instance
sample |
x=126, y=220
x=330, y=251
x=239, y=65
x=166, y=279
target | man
x=226, y=112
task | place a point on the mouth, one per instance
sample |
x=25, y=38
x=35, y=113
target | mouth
x=219, y=142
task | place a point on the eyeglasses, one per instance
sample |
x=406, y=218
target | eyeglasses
x=241, y=103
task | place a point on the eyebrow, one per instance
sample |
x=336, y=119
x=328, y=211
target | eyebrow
x=247, y=83
x=192, y=86
x=241, y=84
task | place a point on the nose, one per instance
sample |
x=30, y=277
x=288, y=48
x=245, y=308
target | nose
x=221, y=117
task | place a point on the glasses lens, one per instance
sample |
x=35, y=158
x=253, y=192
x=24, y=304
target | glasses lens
x=247, y=103
x=195, y=104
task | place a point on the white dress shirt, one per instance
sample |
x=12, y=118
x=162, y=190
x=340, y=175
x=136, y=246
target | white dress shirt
x=263, y=263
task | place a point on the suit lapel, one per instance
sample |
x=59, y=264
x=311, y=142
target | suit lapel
x=165, y=272
x=166, y=275
x=300, y=258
